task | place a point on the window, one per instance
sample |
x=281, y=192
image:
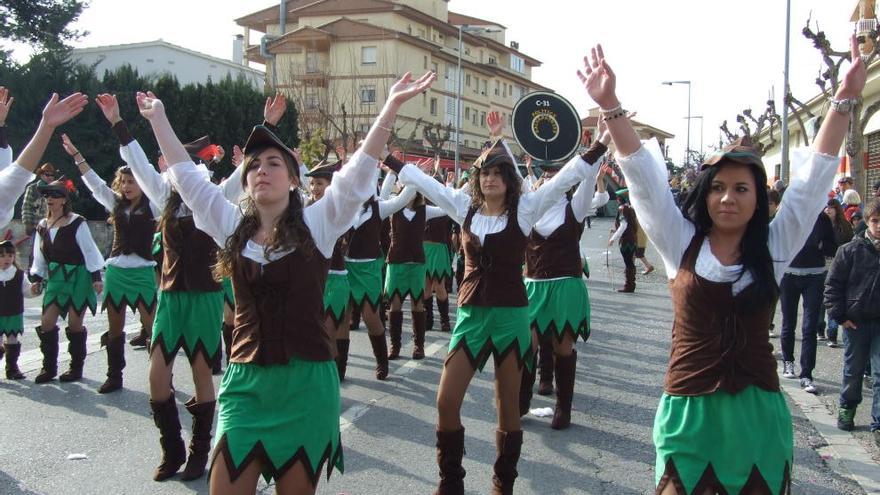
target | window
x=425, y=63
x=467, y=144
x=485, y=87
x=433, y=106
x=435, y=68
x=368, y=94
x=517, y=64
x=311, y=62
x=424, y=99
x=467, y=79
x=467, y=50
x=492, y=60
x=467, y=113
x=364, y=129
x=474, y=121
x=150, y=60
x=422, y=33
x=408, y=29
x=311, y=99
x=482, y=119
x=497, y=88
x=368, y=55
x=504, y=90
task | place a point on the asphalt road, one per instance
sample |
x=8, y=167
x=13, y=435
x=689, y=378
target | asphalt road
x=388, y=427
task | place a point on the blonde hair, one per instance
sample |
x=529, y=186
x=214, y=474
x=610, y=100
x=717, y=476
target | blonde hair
x=851, y=197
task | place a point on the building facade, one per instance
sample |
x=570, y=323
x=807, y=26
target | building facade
x=155, y=58
x=328, y=55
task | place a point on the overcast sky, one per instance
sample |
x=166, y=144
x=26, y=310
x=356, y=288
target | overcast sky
x=732, y=51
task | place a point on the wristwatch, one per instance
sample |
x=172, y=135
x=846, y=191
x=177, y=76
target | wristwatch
x=844, y=106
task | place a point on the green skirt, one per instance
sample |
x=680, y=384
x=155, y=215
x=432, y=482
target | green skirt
x=129, y=287
x=716, y=441
x=438, y=261
x=365, y=278
x=228, y=295
x=336, y=295
x=12, y=325
x=405, y=279
x=482, y=331
x=559, y=306
x=188, y=320
x=279, y=415
x=69, y=287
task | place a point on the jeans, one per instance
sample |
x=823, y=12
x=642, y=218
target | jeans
x=861, y=347
x=790, y=291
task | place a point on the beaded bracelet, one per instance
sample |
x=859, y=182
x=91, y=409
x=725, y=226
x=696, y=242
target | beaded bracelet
x=614, y=115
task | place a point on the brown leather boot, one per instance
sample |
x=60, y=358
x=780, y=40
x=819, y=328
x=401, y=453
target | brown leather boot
x=76, y=346
x=507, y=446
x=545, y=366
x=630, y=283
x=49, y=348
x=565, y=371
x=13, y=351
x=443, y=309
x=526, y=384
x=173, y=449
x=380, y=352
x=200, y=443
x=342, y=357
x=450, y=450
x=418, y=319
x=142, y=339
x=429, y=313
x=115, y=362
x=395, y=333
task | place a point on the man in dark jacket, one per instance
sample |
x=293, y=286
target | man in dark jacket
x=804, y=278
x=852, y=296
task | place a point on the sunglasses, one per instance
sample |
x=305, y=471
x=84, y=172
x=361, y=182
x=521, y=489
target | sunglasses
x=53, y=194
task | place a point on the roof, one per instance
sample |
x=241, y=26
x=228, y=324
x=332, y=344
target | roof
x=165, y=44
x=457, y=19
x=590, y=122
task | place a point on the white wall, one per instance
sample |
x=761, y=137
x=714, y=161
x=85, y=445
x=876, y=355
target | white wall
x=157, y=60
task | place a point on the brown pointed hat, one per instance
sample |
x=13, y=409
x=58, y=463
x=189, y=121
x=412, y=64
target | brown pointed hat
x=325, y=169
x=494, y=154
x=739, y=151
x=262, y=137
x=61, y=188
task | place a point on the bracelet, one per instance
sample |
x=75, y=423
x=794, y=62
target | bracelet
x=77, y=153
x=610, y=110
x=386, y=129
x=78, y=163
x=616, y=114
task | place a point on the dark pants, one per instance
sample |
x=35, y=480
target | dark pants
x=861, y=348
x=792, y=288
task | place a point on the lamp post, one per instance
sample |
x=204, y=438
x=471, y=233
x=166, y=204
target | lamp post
x=784, y=168
x=461, y=29
x=701, y=130
x=687, y=157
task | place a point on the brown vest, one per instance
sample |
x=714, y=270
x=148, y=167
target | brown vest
x=133, y=233
x=493, y=272
x=279, y=310
x=11, y=298
x=629, y=235
x=438, y=230
x=340, y=250
x=63, y=249
x=365, y=240
x=406, y=237
x=188, y=255
x=559, y=254
x=719, y=341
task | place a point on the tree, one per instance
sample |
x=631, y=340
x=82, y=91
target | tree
x=829, y=80
x=752, y=127
x=40, y=22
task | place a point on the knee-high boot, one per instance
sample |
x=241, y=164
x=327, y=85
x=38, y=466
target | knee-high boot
x=565, y=371
x=12, y=353
x=418, y=325
x=76, y=346
x=395, y=333
x=342, y=357
x=200, y=443
x=526, y=384
x=429, y=313
x=507, y=445
x=49, y=348
x=115, y=362
x=630, y=280
x=173, y=449
x=443, y=309
x=380, y=352
x=545, y=366
x=450, y=450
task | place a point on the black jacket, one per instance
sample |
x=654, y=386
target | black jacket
x=852, y=288
x=822, y=243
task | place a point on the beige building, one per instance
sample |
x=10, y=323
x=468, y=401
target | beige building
x=335, y=54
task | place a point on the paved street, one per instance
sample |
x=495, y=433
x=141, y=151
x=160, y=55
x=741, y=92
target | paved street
x=388, y=428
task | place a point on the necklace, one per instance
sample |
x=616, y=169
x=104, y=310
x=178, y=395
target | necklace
x=55, y=222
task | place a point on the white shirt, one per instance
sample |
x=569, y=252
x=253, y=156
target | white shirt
x=94, y=261
x=671, y=233
x=5, y=157
x=104, y=195
x=7, y=274
x=13, y=181
x=582, y=204
x=327, y=219
x=532, y=205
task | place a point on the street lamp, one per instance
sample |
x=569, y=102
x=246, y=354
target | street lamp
x=464, y=28
x=701, y=129
x=687, y=158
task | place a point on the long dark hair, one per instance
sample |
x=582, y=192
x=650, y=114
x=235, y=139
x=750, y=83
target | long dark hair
x=754, y=251
x=511, y=179
x=291, y=231
x=169, y=213
x=122, y=203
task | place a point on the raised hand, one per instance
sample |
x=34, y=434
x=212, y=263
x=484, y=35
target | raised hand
x=496, y=125
x=68, y=146
x=437, y=166
x=58, y=112
x=450, y=179
x=340, y=152
x=237, y=156
x=5, y=104
x=854, y=80
x=406, y=87
x=274, y=108
x=599, y=79
x=109, y=107
x=604, y=170
x=149, y=106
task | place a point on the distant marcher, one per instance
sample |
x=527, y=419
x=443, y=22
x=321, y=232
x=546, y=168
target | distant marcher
x=843, y=233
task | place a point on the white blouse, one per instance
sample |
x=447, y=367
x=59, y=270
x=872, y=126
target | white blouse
x=671, y=233
x=5, y=157
x=13, y=180
x=7, y=274
x=94, y=261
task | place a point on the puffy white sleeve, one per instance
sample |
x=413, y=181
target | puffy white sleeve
x=92, y=255
x=455, y=202
x=582, y=200
x=432, y=212
x=26, y=288
x=213, y=213
x=5, y=157
x=100, y=190
x=152, y=183
x=231, y=186
x=666, y=227
x=332, y=215
x=39, y=267
x=533, y=205
x=391, y=206
x=13, y=180
x=387, y=185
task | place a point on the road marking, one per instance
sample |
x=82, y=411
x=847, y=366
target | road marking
x=844, y=454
